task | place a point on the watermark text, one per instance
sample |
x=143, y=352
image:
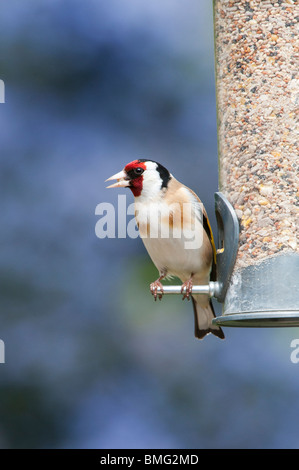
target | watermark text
x=2, y=352
x=155, y=220
x=2, y=92
x=295, y=353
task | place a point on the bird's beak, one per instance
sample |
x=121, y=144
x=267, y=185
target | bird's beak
x=122, y=180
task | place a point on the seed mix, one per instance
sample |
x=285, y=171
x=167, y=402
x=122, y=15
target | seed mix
x=257, y=86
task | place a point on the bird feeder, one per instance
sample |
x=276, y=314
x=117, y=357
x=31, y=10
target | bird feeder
x=257, y=208
x=257, y=88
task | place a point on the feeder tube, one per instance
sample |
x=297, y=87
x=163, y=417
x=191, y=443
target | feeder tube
x=257, y=89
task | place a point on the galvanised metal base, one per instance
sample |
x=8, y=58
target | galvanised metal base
x=264, y=295
x=259, y=319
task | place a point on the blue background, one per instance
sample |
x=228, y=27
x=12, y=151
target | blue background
x=91, y=360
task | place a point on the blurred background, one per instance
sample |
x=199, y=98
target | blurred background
x=91, y=360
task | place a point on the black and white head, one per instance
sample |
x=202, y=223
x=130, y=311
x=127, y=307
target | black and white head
x=145, y=178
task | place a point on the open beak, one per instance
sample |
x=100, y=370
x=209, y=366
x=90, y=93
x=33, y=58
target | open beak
x=122, y=180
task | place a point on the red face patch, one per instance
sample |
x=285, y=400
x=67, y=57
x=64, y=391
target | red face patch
x=136, y=180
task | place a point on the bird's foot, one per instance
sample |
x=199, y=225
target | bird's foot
x=186, y=289
x=154, y=287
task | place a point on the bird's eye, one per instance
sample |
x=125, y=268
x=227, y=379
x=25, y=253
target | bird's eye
x=138, y=171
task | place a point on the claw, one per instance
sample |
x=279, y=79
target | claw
x=187, y=287
x=154, y=289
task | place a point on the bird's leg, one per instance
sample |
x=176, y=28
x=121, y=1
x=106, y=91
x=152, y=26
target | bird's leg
x=157, y=285
x=186, y=289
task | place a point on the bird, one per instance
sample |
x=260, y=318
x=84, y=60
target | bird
x=160, y=200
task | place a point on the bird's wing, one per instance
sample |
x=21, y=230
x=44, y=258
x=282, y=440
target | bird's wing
x=208, y=231
x=177, y=192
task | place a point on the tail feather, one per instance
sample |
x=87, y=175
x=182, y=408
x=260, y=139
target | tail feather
x=203, y=316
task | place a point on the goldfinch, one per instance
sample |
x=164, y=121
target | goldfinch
x=167, y=228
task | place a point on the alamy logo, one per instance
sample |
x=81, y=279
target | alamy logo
x=2, y=92
x=295, y=353
x=2, y=353
x=183, y=221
